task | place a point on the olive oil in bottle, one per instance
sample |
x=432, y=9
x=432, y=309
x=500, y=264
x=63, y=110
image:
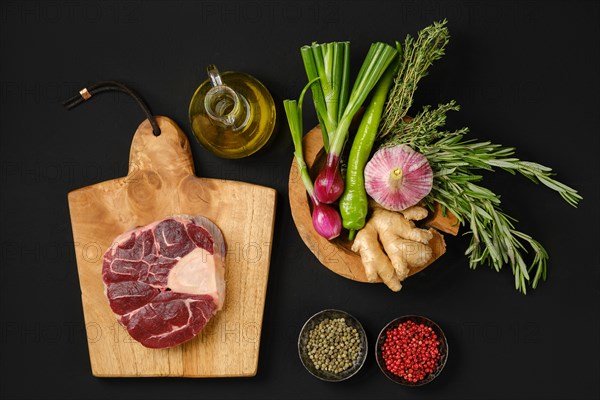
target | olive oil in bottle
x=232, y=114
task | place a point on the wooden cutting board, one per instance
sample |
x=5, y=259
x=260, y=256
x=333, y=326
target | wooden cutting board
x=161, y=182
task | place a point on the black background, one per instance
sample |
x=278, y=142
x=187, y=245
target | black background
x=525, y=73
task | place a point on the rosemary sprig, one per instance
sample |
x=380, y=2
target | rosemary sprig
x=495, y=240
x=469, y=154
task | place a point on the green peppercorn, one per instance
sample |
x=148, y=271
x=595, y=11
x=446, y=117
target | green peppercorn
x=333, y=346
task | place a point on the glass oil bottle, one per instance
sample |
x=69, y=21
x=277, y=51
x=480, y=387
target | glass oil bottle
x=232, y=114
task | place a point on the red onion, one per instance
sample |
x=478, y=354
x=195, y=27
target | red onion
x=329, y=184
x=326, y=221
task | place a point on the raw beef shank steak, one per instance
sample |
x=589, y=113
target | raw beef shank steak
x=166, y=280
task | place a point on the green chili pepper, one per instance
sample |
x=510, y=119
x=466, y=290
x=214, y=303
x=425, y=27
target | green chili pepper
x=354, y=204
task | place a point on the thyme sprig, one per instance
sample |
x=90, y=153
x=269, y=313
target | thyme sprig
x=417, y=57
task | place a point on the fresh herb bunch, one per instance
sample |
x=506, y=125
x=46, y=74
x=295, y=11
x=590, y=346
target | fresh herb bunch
x=454, y=160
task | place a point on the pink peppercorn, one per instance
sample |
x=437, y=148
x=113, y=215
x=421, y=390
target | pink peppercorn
x=410, y=351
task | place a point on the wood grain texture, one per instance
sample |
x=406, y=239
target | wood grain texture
x=336, y=254
x=161, y=182
x=446, y=223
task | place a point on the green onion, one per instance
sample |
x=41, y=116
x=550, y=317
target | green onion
x=326, y=220
x=330, y=63
x=335, y=105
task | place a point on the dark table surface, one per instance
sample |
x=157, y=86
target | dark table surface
x=525, y=73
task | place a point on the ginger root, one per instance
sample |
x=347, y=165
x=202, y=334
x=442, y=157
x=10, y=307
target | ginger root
x=404, y=245
x=413, y=213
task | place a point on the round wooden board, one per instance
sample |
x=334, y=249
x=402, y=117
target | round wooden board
x=336, y=254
